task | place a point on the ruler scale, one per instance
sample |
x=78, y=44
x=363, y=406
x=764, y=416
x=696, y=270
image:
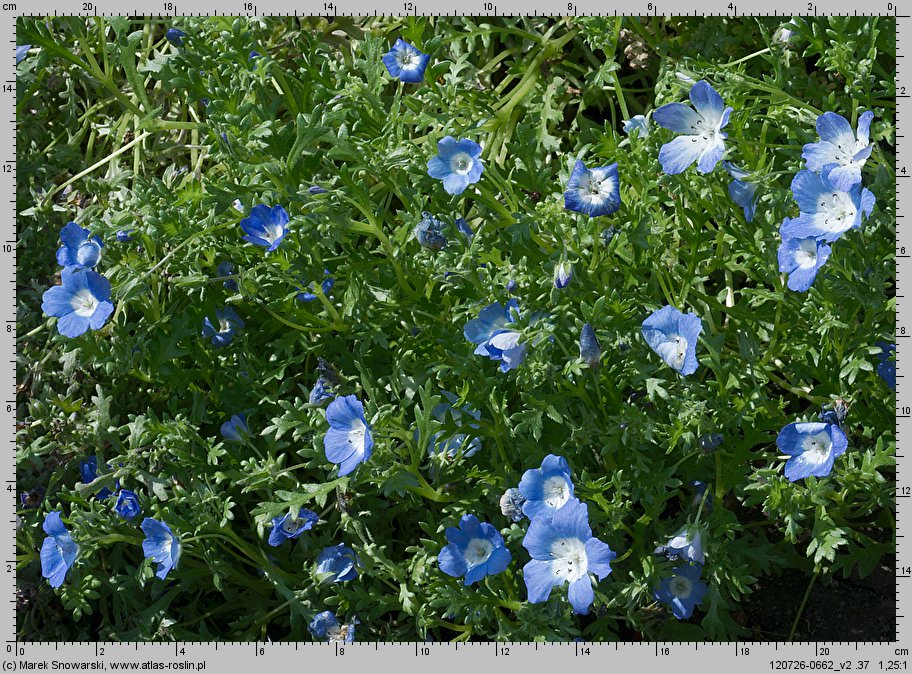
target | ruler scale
x=443, y=658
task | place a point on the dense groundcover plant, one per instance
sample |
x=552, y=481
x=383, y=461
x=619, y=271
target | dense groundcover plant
x=450, y=329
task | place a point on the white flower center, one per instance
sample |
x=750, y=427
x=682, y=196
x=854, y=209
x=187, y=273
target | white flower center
x=273, y=232
x=478, y=550
x=461, y=163
x=356, y=434
x=84, y=303
x=680, y=351
x=406, y=58
x=681, y=587
x=88, y=252
x=818, y=444
x=840, y=209
x=292, y=524
x=596, y=187
x=224, y=325
x=806, y=255
x=568, y=559
x=556, y=491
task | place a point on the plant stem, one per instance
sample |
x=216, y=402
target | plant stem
x=807, y=594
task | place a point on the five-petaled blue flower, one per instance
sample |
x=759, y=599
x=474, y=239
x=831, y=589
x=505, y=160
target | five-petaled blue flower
x=160, y=545
x=58, y=551
x=742, y=191
x=840, y=154
x=564, y=550
x=703, y=140
x=593, y=192
x=548, y=488
x=265, y=226
x=429, y=232
x=801, y=259
x=813, y=447
x=348, y=441
x=458, y=164
x=88, y=471
x=476, y=549
x=826, y=212
x=886, y=366
x=563, y=274
x=406, y=62
x=325, y=625
x=127, y=505
x=495, y=339
x=228, y=324
x=22, y=51
x=235, y=429
x=337, y=564
x=326, y=286
x=452, y=444
x=175, y=36
x=636, y=126
x=687, y=544
x=79, y=248
x=286, y=526
x=682, y=591
x=81, y=302
x=673, y=336
x=590, y=349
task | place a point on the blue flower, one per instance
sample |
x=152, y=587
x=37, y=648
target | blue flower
x=429, y=232
x=836, y=414
x=511, y=504
x=886, y=366
x=826, y=213
x=636, y=126
x=511, y=286
x=464, y=228
x=701, y=495
x=801, y=259
x=160, y=545
x=686, y=545
x=316, y=189
x=406, y=62
x=476, y=549
x=31, y=499
x=673, y=336
x=320, y=392
x=682, y=591
x=79, y=249
x=88, y=471
x=326, y=286
x=124, y=235
x=286, y=526
x=546, y=489
x=338, y=563
x=265, y=226
x=22, y=51
x=608, y=235
x=175, y=36
x=703, y=140
x=590, y=350
x=127, y=505
x=594, y=191
x=564, y=550
x=742, y=192
x=453, y=444
x=563, y=274
x=348, y=441
x=226, y=268
x=58, y=551
x=813, y=448
x=228, y=324
x=840, y=154
x=325, y=625
x=494, y=338
x=235, y=429
x=458, y=164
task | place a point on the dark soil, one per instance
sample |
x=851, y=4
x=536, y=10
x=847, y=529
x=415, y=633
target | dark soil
x=843, y=609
